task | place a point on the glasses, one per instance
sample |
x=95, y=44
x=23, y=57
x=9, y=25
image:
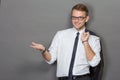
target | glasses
x=78, y=18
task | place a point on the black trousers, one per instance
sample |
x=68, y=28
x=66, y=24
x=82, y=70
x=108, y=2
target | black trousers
x=81, y=77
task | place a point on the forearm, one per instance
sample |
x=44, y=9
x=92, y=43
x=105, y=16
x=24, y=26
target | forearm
x=89, y=52
x=46, y=55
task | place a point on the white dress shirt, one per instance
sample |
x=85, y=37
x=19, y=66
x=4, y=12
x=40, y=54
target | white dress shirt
x=61, y=51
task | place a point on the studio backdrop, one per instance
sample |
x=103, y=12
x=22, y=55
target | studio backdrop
x=24, y=21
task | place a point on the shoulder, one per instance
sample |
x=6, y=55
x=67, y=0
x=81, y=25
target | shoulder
x=65, y=31
x=92, y=34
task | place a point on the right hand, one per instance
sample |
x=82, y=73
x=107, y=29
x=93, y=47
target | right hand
x=37, y=46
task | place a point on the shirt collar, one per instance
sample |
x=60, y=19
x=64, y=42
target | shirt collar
x=81, y=31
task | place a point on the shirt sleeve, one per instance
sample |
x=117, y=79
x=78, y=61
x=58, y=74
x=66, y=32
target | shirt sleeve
x=96, y=47
x=53, y=49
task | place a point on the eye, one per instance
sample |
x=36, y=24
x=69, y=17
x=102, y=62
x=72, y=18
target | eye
x=78, y=18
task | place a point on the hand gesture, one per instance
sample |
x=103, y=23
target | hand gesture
x=37, y=46
x=85, y=36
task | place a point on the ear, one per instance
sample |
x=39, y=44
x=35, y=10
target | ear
x=87, y=19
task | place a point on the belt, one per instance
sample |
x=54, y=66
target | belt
x=73, y=77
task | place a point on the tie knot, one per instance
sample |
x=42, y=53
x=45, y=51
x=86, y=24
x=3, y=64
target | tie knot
x=78, y=33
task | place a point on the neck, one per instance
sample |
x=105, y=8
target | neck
x=79, y=29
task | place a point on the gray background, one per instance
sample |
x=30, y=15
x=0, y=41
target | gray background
x=24, y=21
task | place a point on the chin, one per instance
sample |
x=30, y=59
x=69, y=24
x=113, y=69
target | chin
x=78, y=28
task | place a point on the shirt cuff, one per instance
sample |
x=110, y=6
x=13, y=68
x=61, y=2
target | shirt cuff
x=95, y=61
x=51, y=61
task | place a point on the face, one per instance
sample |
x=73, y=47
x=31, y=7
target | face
x=79, y=18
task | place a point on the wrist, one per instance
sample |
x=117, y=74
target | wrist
x=84, y=42
x=43, y=51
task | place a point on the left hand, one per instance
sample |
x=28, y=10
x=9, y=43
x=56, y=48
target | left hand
x=85, y=36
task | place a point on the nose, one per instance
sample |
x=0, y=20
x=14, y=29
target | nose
x=76, y=20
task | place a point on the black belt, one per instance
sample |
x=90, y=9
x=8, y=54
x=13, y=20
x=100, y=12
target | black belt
x=74, y=77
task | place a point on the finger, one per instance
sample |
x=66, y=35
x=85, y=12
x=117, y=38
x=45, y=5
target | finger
x=32, y=45
x=35, y=47
x=88, y=33
x=83, y=34
x=35, y=44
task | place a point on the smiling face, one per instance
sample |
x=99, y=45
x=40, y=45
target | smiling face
x=79, y=18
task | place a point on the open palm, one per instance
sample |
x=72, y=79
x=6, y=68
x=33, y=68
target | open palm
x=37, y=46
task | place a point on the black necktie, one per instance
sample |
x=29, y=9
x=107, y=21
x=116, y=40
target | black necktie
x=73, y=56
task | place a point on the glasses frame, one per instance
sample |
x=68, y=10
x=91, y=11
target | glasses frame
x=78, y=18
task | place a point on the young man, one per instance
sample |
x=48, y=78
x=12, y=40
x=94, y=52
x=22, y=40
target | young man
x=77, y=42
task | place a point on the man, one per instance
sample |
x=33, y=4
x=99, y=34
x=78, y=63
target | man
x=78, y=42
